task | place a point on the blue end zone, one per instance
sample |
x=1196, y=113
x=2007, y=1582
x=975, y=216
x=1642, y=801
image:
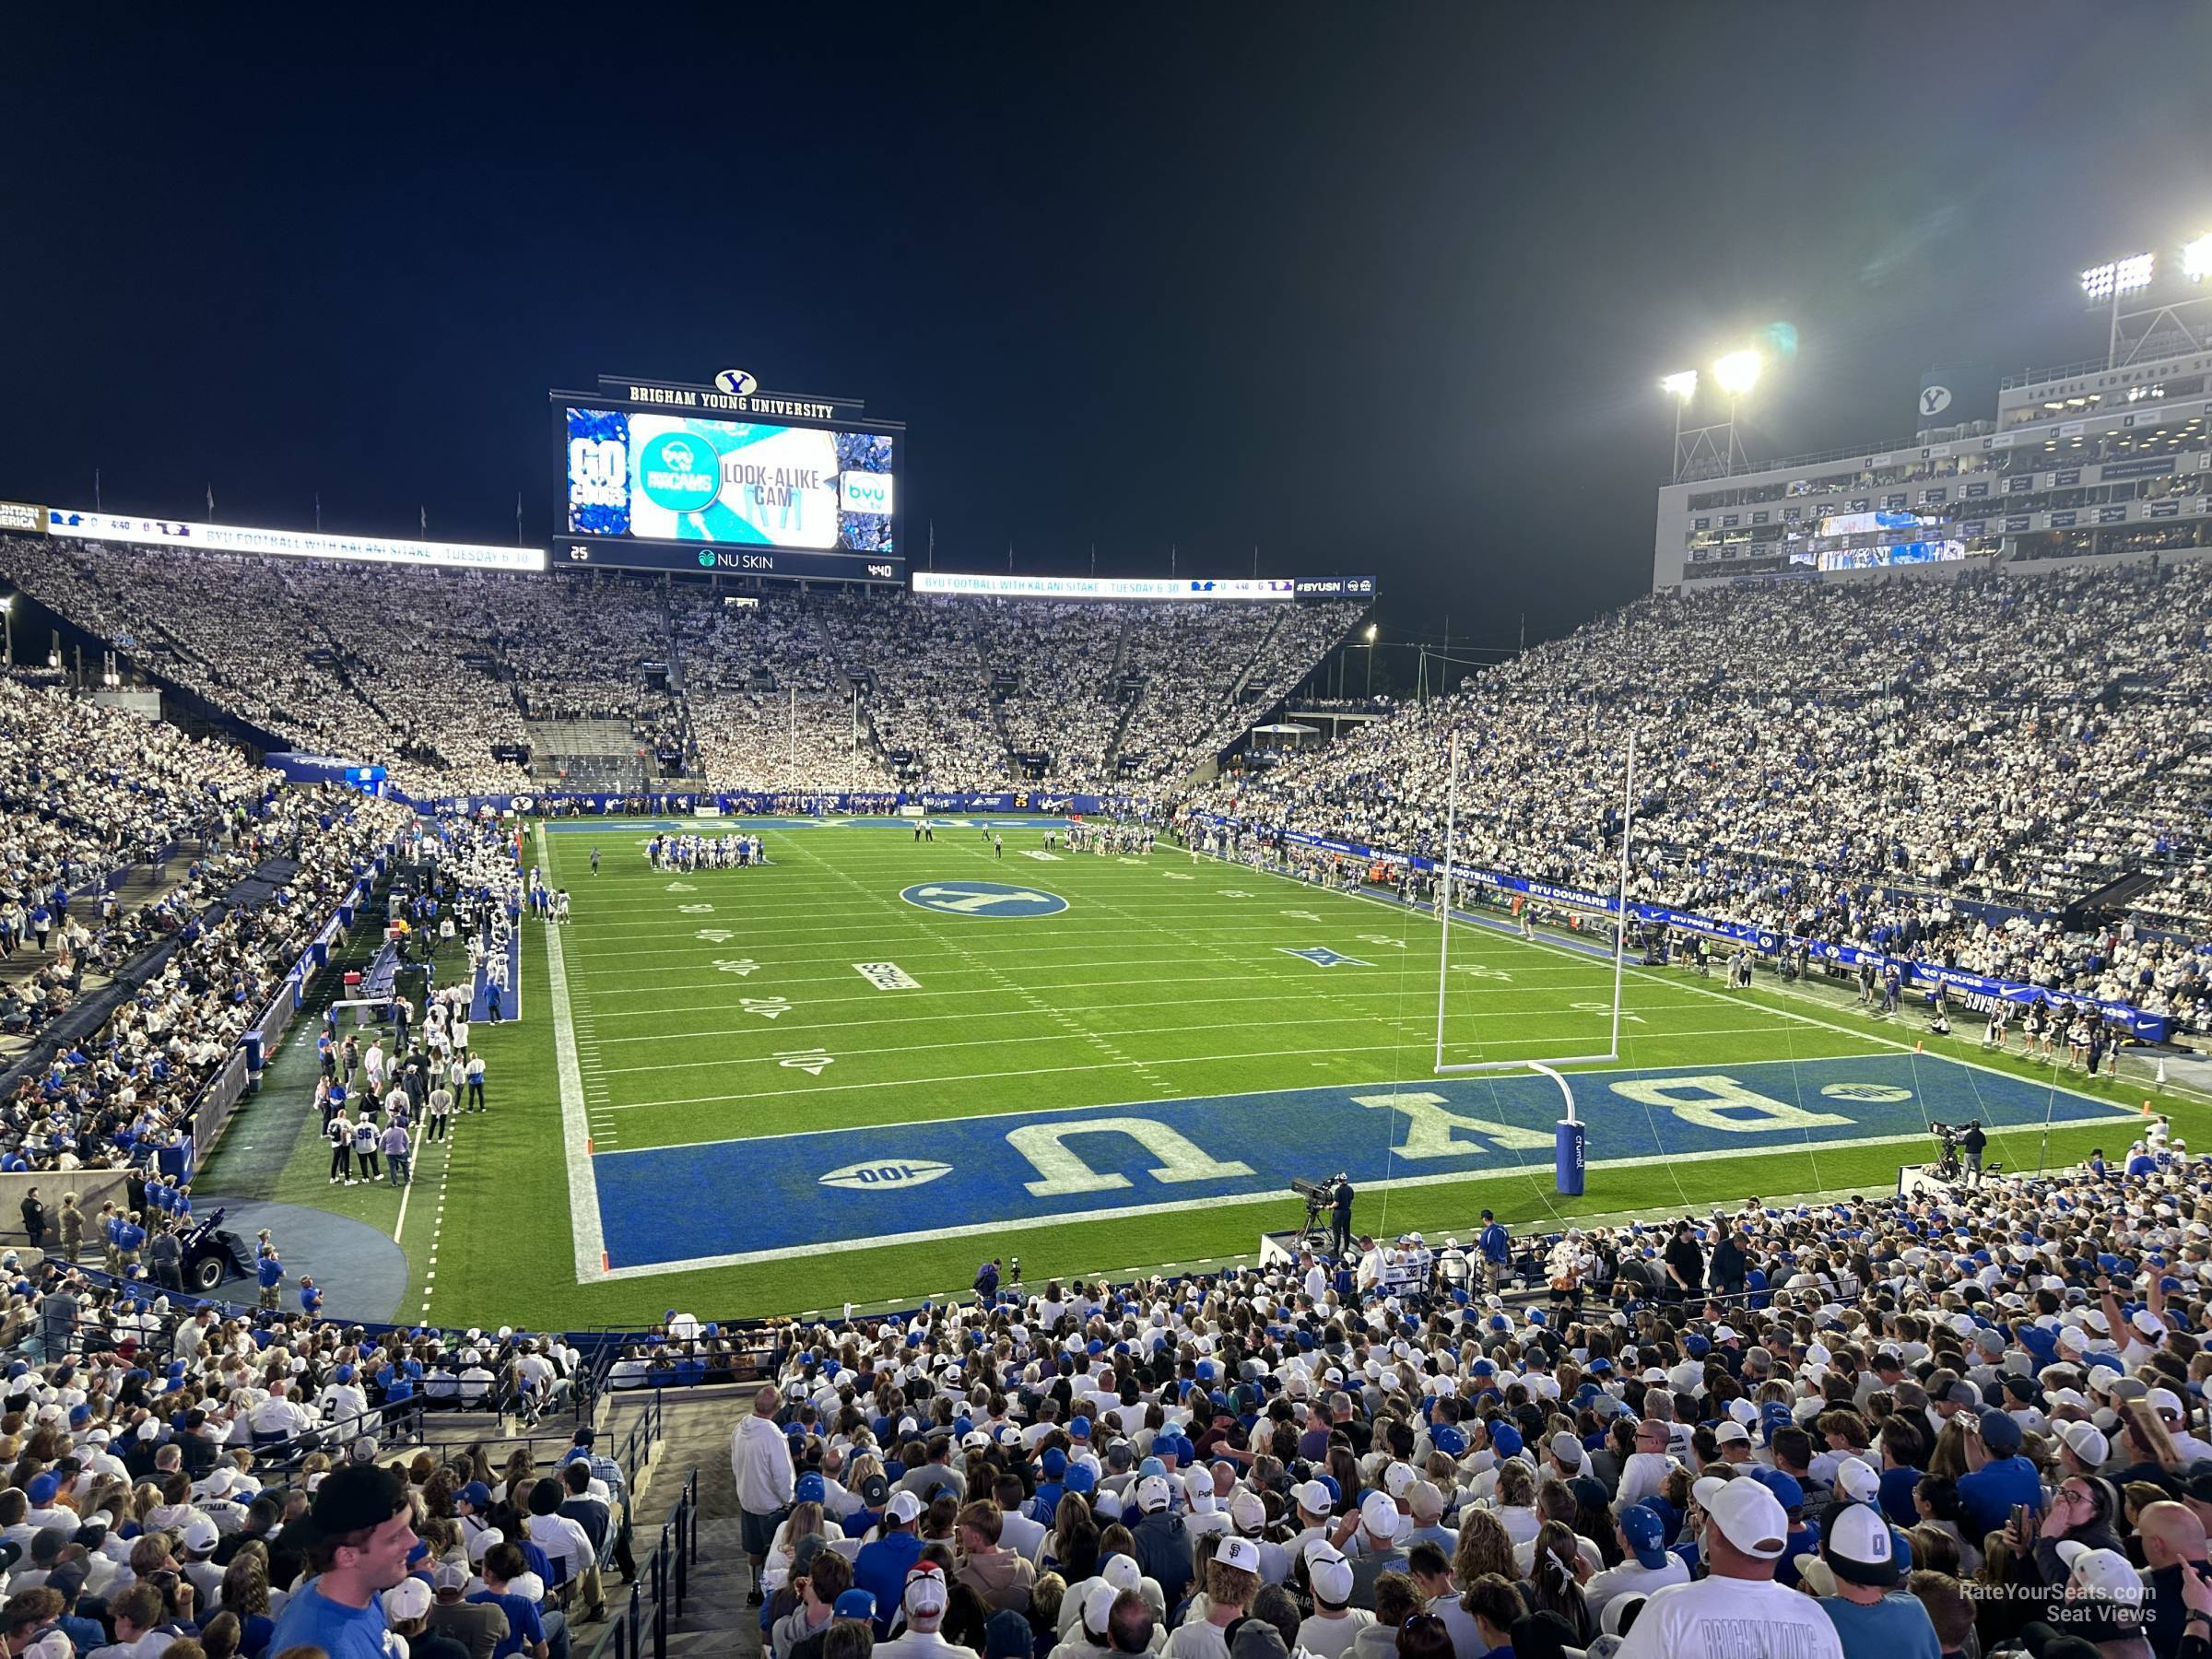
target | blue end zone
x=730, y=1202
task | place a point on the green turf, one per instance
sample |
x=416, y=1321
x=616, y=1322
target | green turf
x=1162, y=980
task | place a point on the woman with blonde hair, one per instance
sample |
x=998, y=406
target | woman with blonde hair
x=805, y=1520
x=244, y=1594
x=1515, y=1501
x=1071, y=1548
x=1484, y=1546
x=1949, y=1458
x=2142, y=1430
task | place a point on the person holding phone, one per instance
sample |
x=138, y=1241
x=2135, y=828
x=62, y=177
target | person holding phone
x=2000, y=1476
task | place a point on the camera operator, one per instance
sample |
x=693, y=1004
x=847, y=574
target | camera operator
x=1340, y=1221
x=1971, y=1142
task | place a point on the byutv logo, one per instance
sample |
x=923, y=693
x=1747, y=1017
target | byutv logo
x=865, y=492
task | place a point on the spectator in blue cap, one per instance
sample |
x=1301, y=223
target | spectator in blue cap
x=1646, y=1563
x=1045, y=1505
x=1999, y=1478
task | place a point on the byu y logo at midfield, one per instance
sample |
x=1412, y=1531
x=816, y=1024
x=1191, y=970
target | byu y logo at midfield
x=983, y=898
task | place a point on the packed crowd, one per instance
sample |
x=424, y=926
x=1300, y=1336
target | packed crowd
x=429, y=672
x=1878, y=1429
x=1213, y=668
x=123, y=788
x=768, y=708
x=86, y=791
x=177, y=1478
x=931, y=700
x=1063, y=659
x=1842, y=762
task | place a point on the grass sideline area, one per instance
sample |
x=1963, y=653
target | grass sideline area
x=722, y=1028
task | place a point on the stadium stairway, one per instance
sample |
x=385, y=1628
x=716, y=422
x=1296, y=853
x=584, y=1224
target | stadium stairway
x=695, y=1426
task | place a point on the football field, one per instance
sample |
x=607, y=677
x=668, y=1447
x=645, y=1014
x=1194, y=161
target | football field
x=855, y=1072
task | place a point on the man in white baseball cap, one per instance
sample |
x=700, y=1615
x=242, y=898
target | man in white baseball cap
x=1377, y=1550
x=2085, y=1451
x=1746, y=1531
x=1312, y=1504
x=1335, y=1624
x=2106, y=1592
x=1870, y=1613
x=1163, y=1541
x=1232, y=1578
x=925, y=1598
x=1734, y=1442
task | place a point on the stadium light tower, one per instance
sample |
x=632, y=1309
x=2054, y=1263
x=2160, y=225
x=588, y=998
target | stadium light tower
x=1712, y=449
x=2197, y=259
x=2109, y=283
x=1737, y=372
x=2172, y=310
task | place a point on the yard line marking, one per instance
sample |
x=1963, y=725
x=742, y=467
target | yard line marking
x=1075, y=1030
x=585, y=1228
x=1035, y=1071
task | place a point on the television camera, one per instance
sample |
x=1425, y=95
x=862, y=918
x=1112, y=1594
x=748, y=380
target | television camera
x=1948, y=1166
x=1321, y=1200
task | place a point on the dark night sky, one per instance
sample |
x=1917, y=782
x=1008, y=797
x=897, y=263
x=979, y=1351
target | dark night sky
x=1375, y=288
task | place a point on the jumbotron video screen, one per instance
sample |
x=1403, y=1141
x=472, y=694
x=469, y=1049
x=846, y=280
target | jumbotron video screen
x=670, y=478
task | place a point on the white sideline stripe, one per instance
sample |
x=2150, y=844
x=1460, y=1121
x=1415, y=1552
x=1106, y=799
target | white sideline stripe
x=406, y=1192
x=747, y=1258
x=584, y=1228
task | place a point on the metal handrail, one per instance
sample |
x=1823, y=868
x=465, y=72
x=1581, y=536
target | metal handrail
x=658, y=1591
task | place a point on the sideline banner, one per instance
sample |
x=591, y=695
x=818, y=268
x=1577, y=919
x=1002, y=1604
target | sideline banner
x=772, y=802
x=2145, y=1028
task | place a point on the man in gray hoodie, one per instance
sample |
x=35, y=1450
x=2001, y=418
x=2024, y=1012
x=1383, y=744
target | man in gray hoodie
x=1002, y=1577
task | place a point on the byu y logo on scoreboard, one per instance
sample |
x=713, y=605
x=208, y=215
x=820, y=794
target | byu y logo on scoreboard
x=983, y=898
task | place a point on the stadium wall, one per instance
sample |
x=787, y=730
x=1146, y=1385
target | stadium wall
x=92, y=1188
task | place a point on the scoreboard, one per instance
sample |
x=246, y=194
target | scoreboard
x=722, y=479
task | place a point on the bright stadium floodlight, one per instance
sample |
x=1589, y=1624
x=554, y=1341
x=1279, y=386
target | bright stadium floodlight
x=1737, y=372
x=2129, y=275
x=1683, y=385
x=2197, y=259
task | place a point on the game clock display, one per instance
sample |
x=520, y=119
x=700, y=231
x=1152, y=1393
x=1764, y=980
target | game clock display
x=668, y=477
